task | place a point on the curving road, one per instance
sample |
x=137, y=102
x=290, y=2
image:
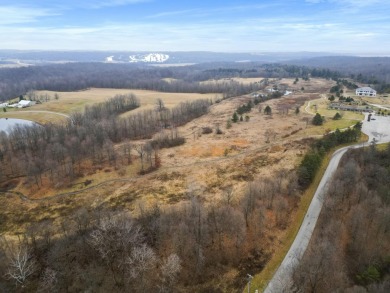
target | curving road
x=379, y=130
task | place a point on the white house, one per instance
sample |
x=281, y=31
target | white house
x=365, y=91
x=4, y=105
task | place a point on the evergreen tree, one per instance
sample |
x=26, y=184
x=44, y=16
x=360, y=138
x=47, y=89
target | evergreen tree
x=235, y=117
x=317, y=120
x=337, y=116
x=268, y=110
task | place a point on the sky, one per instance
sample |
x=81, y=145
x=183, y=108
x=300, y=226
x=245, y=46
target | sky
x=339, y=26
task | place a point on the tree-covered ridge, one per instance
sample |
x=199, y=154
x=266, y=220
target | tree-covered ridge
x=78, y=76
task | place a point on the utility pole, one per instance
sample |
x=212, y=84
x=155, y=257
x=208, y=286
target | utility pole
x=249, y=282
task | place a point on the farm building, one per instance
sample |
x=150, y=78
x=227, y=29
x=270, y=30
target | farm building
x=365, y=91
x=25, y=103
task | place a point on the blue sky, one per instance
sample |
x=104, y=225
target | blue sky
x=340, y=26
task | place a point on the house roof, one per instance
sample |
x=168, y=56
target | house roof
x=366, y=88
x=24, y=102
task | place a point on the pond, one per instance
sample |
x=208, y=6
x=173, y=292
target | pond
x=6, y=124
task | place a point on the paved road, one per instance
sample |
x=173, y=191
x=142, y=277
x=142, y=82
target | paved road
x=378, y=129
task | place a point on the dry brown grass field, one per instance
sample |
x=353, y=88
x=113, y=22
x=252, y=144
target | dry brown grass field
x=241, y=151
x=76, y=101
x=205, y=165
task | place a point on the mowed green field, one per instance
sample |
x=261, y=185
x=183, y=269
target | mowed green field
x=321, y=106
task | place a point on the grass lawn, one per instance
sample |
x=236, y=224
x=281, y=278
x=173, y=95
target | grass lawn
x=329, y=124
x=41, y=118
x=322, y=109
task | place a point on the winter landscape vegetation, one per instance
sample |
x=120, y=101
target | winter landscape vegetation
x=171, y=151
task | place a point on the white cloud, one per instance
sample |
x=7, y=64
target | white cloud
x=172, y=13
x=111, y=3
x=17, y=15
x=213, y=12
x=245, y=35
x=348, y=3
x=358, y=3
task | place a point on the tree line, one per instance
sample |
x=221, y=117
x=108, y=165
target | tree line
x=313, y=158
x=56, y=154
x=78, y=76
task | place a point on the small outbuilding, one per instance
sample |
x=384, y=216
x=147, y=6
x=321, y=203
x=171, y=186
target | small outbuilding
x=25, y=103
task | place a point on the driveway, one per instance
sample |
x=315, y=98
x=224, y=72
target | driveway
x=378, y=128
x=282, y=279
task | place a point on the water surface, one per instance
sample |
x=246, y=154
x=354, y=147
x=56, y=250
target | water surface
x=6, y=124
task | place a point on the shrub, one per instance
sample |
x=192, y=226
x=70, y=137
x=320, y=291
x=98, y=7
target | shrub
x=167, y=141
x=207, y=130
x=337, y=116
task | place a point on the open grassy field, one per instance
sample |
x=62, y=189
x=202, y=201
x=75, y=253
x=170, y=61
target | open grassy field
x=76, y=101
x=39, y=117
x=243, y=138
x=320, y=106
x=329, y=125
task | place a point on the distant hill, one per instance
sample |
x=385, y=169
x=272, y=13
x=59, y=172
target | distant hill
x=378, y=67
x=42, y=57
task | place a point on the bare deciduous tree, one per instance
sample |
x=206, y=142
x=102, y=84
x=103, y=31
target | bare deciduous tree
x=170, y=270
x=48, y=281
x=21, y=265
x=141, y=261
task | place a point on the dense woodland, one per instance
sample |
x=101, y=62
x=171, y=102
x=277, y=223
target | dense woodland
x=57, y=154
x=372, y=70
x=349, y=251
x=79, y=76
